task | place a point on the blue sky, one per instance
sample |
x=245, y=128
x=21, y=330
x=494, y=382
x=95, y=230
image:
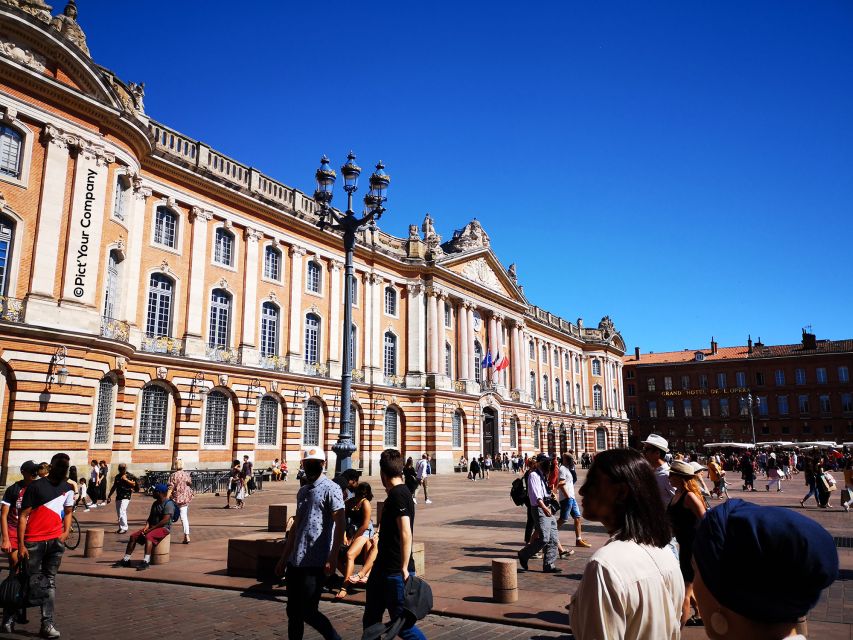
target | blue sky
x=686, y=168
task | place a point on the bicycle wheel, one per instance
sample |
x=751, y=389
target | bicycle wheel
x=73, y=539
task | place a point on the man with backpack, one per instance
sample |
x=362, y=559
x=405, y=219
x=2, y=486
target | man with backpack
x=159, y=524
x=423, y=472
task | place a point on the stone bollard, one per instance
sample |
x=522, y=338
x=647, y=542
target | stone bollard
x=160, y=555
x=277, y=517
x=505, y=580
x=94, y=543
x=418, y=557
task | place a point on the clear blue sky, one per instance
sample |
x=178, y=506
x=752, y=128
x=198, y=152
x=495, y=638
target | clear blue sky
x=685, y=167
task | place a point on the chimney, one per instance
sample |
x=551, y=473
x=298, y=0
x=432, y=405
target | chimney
x=636, y=353
x=809, y=340
x=749, y=345
x=713, y=346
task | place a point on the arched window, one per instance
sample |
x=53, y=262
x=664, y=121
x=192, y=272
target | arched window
x=557, y=393
x=556, y=359
x=544, y=353
x=600, y=439
x=390, y=301
x=448, y=359
x=536, y=430
x=311, y=429
x=269, y=329
x=216, y=419
x=165, y=228
x=532, y=349
x=577, y=364
x=223, y=248
x=268, y=421
x=112, y=286
x=390, y=363
x=513, y=433
x=613, y=397
x=153, y=415
x=532, y=386
x=158, y=319
x=104, y=415
x=314, y=279
x=312, y=338
x=478, y=361
x=457, y=430
x=568, y=395
x=11, y=144
x=566, y=361
x=272, y=263
x=120, y=199
x=352, y=343
x=220, y=319
x=596, y=398
x=596, y=367
x=545, y=393
x=577, y=395
x=7, y=236
x=552, y=440
x=390, y=427
x=447, y=321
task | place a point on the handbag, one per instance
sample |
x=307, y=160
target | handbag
x=13, y=590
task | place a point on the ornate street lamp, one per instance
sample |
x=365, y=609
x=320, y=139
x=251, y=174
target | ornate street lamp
x=751, y=401
x=349, y=224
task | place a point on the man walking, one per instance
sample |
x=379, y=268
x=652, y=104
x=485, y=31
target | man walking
x=568, y=504
x=544, y=520
x=43, y=527
x=123, y=487
x=394, y=562
x=311, y=551
x=423, y=472
x=655, y=448
x=246, y=472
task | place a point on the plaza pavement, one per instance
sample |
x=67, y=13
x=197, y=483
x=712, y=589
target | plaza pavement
x=467, y=525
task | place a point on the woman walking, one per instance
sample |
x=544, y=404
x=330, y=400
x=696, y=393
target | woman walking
x=631, y=587
x=747, y=472
x=181, y=491
x=235, y=486
x=811, y=480
x=410, y=477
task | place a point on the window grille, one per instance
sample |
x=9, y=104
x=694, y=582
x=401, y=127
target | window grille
x=152, y=419
x=390, y=428
x=311, y=429
x=216, y=419
x=268, y=421
x=104, y=414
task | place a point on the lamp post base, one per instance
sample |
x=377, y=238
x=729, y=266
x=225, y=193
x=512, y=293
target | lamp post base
x=343, y=449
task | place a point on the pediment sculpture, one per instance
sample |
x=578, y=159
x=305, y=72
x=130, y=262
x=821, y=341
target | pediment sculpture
x=480, y=272
x=471, y=236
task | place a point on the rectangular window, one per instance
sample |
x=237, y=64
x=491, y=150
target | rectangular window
x=653, y=409
x=703, y=381
x=685, y=382
x=721, y=381
x=667, y=383
x=825, y=407
x=272, y=263
x=821, y=375
x=688, y=408
x=670, y=408
x=724, y=407
x=631, y=390
x=119, y=202
x=782, y=403
x=740, y=378
x=632, y=411
x=800, y=375
x=780, y=378
x=803, y=403
x=5, y=244
x=843, y=374
x=578, y=367
x=447, y=321
x=759, y=378
x=706, y=407
x=629, y=374
x=807, y=428
x=763, y=407
x=457, y=430
x=847, y=402
x=651, y=384
x=104, y=415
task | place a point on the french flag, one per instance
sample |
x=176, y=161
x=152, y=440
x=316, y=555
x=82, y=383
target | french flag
x=501, y=363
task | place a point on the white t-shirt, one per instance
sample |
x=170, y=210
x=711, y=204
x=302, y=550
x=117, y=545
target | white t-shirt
x=568, y=489
x=629, y=591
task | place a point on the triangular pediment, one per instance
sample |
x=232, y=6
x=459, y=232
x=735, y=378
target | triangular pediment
x=482, y=268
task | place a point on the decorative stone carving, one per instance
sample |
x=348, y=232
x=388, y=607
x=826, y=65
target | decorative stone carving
x=10, y=114
x=336, y=265
x=296, y=250
x=272, y=296
x=197, y=213
x=164, y=266
x=315, y=309
x=606, y=327
x=414, y=287
x=480, y=272
x=162, y=372
x=66, y=24
x=253, y=235
x=471, y=236
x=223, y=283
x=227, y=223
x=21, y=54
x=223, y=379
x=513, y=273
x=274, y=386
x=413, y=233
x=121, y=363
x=428, y=228
x=36, y=8
x=138, y=93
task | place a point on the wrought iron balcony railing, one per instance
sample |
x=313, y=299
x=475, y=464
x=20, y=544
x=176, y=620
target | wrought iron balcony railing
x=115, y=329
x=222, y=354
x=317, y=369
x=162, y=344
x=11, y=309
x=394, y=381
x=275, y=363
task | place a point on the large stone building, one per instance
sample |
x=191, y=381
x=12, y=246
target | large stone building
x=160, y=299
x=801, y=392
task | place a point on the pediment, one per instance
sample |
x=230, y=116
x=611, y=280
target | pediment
x=483, y=268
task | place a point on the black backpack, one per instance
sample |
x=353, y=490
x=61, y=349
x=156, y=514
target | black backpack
x=518, y=493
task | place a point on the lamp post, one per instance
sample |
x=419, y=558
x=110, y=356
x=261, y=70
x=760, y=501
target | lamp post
x=349, y=224
x=750, y=402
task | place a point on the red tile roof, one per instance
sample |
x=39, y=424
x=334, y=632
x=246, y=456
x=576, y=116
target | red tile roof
x=742, y=352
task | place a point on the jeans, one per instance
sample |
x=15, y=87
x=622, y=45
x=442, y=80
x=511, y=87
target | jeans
x=45, y=557
x=121, y=512
x=547, y=528
x=812, y=491
x=387, y=591
x=304, y=586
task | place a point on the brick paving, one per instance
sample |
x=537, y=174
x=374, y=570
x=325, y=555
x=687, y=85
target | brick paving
x=468, y=525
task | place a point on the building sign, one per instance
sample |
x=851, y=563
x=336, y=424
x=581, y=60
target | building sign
x=705, y=392
x=85, y=223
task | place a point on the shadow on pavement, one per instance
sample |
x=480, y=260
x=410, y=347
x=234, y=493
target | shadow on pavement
x=552, y=617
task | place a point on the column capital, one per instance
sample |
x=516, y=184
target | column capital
x=252, y=235
x=415, y=287
x=467, y=304
x=57, y=137
x=374, y=278
x=336, y=265
x=297, y=251
x=499, y=317
x=202, y=215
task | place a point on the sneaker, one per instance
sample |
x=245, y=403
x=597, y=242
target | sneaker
x=522, y=562
x=428, y=502
x=122, y=563
x=48, y=631
x=538, y=555
x=565, y=553
x=414, y=499
x=582, y=543
x=87, y=509
x=551, y=570
x=7, y=627
x=143, y=566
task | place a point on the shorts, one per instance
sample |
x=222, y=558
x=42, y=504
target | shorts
x=569, y=507
x=13, y=538
x=152, y=535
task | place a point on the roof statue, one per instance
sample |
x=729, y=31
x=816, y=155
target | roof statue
x=471, y=236
x=606, y=327
x=138, y=93
x=513, y=274
x=413, y=233
x=66, y=24
x=431, y=238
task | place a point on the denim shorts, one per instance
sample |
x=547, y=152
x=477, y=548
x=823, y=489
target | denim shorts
x=569, y=507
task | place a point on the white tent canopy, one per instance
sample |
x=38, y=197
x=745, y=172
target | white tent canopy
x=729, y=445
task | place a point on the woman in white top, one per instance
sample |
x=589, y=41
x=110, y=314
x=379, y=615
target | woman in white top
x=632, y=587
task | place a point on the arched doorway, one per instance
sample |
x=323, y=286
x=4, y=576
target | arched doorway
x=491, y=438
x=552, y=441
x=564, y=446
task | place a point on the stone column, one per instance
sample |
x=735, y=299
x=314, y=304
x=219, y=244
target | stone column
x=50, y=214
x=443, y=380
x=606, y=403
x=367, y=329
x=248, y=346
x=376, y=338
x=134, y=284
x=462, y=369
x=294, y=348
x=563, y=399
x=432, y=332
x=620, y=391
x=416, y=335
x=193, y=342
x=335, y=322
x=572, y=403
x=586, y=391
x=471, y=337
x=516, y=362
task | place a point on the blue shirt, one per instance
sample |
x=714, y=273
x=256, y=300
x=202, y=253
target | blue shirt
x=316, y=504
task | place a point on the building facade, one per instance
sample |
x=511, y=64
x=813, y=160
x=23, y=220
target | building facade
x=801, y=392
x=162, y=300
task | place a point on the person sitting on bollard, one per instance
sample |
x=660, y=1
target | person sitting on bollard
x=157, y=527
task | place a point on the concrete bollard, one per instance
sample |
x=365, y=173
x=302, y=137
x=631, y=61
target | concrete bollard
x=504, y=580
x=160, y=555
x=418, y=557
x=94, y=543
x=277, y=517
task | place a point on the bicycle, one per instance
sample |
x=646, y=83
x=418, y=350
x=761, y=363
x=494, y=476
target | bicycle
x=75, y=535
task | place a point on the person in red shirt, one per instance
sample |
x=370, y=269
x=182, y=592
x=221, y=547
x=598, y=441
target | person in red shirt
x=43, y=526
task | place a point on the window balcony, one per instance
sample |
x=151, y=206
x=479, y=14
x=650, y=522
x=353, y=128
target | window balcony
x=394, y=381
x=316, y=369
x=115, y=329
x=162, y=344
x=487, y=386
x=221, y=354
x=273, y=363
x=11, y=309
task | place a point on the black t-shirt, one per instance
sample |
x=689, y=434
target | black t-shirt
x=399, y=503
x=124, y=490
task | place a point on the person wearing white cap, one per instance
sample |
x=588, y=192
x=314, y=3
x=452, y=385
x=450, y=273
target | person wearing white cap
x=311, y=551
x=654, y=449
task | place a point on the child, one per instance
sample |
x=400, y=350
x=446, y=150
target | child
x=84, y=496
